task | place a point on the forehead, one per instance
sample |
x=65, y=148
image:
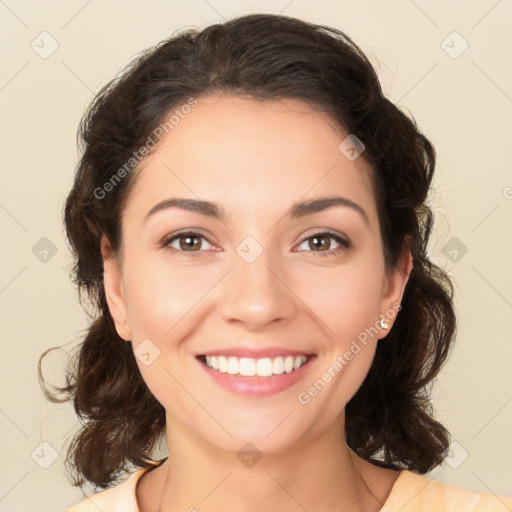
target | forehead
x=238, y=150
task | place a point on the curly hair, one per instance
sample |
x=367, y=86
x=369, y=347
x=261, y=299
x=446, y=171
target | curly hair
x=389, y=421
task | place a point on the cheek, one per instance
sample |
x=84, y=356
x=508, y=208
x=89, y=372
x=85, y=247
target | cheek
x=160, y=303
x=345, y=299
x=347, y=302
x=160, y=297
x=165, y=304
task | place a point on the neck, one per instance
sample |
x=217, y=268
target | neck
x=320, y=474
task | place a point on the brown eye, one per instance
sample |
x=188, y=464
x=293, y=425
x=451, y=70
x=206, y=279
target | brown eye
x=188, y=241
x=322, y=243
x=319, y=242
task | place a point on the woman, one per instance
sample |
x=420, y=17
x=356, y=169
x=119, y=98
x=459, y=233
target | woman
x=249, y=215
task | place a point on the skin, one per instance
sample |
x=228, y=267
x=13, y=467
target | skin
x=254, y=159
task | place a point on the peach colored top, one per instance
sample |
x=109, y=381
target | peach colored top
x=411, y=492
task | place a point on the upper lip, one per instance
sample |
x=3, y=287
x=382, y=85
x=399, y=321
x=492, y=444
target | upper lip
x=254, y=353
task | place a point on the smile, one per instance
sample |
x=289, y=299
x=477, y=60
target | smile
x=249, y=367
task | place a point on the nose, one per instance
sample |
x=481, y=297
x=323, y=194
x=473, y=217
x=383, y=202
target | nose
x=257, y=294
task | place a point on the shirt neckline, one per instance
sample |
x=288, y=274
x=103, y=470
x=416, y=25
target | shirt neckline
x=135, y=478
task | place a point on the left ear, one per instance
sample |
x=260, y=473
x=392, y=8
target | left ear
x=394, y=286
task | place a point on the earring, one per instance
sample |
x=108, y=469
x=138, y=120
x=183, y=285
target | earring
x=383, y=323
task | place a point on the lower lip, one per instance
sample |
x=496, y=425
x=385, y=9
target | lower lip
x=257, y=386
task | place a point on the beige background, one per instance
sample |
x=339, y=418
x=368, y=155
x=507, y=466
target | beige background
x=464, y=105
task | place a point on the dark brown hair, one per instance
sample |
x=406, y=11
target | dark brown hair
x=389, y=421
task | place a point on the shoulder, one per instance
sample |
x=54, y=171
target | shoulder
x=418, y=493
x=121, y=498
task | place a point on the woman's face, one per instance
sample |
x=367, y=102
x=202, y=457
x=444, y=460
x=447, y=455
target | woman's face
x=259, y=288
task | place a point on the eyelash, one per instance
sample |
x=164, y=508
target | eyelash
x=344, y=243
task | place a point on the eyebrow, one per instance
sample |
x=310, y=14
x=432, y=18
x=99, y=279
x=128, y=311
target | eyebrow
x=298, y=210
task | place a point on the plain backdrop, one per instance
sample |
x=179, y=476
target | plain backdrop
x=448, y=63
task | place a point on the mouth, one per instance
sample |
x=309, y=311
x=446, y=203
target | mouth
x=249, y=367
x=255, y=376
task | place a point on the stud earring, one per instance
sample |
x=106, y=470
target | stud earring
x=383, y=323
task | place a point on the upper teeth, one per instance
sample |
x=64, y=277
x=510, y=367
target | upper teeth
x=248, y=367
